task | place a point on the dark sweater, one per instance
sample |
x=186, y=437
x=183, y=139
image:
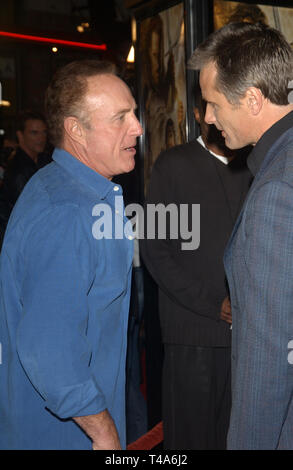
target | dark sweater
x=192, y=283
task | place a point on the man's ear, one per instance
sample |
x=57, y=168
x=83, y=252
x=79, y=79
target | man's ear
x=254, y=100
x=74, y=129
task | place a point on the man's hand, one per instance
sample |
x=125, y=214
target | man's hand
x=226, y=313
x=101, y=429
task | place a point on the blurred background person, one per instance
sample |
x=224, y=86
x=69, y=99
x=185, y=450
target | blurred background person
x=28, y=157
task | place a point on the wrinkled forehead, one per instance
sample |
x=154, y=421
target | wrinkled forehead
x=207, y=80
x=207, y=76
x=105, y=89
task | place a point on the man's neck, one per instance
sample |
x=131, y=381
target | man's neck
x=271, y=115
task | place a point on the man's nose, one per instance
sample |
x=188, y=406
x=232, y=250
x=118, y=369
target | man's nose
x=136, y=127
x=209, y=115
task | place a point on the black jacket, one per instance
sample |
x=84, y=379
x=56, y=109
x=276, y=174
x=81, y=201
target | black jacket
x=19, y=170
x=192, y=283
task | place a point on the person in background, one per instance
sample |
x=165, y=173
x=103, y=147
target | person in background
x=193, y=305
x=24, y=162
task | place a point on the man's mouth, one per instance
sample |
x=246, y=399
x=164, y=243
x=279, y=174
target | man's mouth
x=130, y=149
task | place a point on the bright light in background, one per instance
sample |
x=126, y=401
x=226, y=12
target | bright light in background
x=82, y=27
x=55, y=49
x=131, y=55
x=5, y=103
x=133, y=30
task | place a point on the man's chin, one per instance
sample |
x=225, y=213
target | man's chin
x=129, y=166
x=231, y=145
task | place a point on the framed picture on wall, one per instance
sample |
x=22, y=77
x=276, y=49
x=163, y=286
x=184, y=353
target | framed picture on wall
x=162, y=81
x=167, y=31
x=279, y=17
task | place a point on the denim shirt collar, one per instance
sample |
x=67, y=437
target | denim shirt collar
x=84, y=174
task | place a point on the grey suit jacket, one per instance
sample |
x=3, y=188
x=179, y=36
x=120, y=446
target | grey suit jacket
x=259, y=267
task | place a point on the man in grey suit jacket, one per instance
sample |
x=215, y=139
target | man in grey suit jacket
x=245, y=72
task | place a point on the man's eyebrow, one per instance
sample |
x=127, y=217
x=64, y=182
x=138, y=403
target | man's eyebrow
x=207, y=101
x=122, y=111
x=125, y=111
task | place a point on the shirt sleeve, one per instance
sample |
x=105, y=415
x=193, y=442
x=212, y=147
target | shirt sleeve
x=52, y=333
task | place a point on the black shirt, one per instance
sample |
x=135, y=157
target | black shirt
x=18, y=172
x=267, y=140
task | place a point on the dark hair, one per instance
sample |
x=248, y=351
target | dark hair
x=25, y=116
x=248, y=55
x=64, y=96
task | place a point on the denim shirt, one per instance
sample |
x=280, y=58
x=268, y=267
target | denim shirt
x=65, y=288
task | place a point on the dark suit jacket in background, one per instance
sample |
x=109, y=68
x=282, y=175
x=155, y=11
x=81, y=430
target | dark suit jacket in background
x=192, y=283
x=18, y=172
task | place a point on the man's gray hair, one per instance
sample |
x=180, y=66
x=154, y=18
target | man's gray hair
x=248, y=55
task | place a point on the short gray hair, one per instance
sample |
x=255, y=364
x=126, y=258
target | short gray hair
x=247, y=55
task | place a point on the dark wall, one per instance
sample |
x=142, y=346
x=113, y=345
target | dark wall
x=35, y=63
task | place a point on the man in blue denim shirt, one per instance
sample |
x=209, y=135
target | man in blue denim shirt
x=65, y=277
